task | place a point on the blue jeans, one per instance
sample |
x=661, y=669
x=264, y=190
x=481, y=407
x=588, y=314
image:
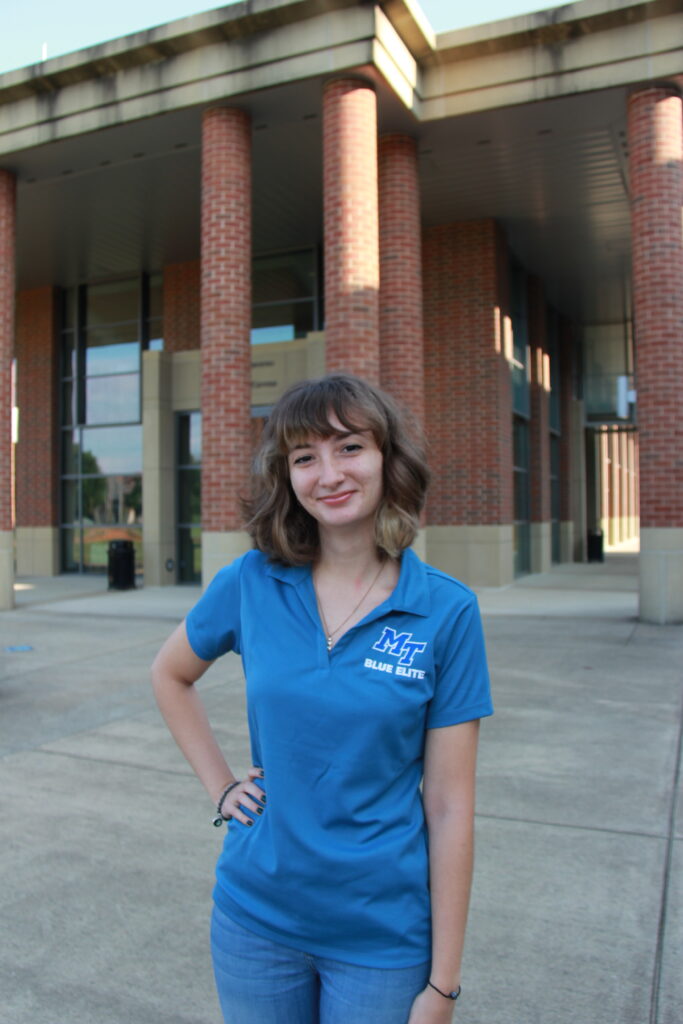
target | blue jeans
x=263, y=982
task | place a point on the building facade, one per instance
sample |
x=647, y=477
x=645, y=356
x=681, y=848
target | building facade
x=486, y=222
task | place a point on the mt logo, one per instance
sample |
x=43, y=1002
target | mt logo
x=399, y=645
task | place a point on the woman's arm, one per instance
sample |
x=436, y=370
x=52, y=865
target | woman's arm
x=175, y=670
x=448, y=795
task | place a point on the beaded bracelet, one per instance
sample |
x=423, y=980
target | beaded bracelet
x=219, y=817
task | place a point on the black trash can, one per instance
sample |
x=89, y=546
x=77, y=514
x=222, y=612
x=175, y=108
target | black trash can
x=121, y=565
x=595, y=549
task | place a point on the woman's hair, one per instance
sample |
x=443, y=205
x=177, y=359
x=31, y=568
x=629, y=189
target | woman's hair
x=277, y=523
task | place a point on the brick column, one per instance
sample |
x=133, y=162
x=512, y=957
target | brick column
x=350, y=206
x=225, y=332
x=539, y=430
x=655, y=137
x=469, y=408
x=37, y=451
x=400, y=291
x=7, y=287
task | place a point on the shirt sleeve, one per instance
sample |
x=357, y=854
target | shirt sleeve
x=213, y=625
x=462, y=692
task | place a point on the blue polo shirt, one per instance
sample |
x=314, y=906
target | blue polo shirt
x=337, y=863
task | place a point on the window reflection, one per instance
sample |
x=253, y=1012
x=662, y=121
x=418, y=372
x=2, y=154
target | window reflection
x=112, y=499
x=189, y=496
x=112, y=450
x=190, y=439
x=113, y=302
x=112, y=399
x=114, y=350
x=95, y=550
x=290, y=275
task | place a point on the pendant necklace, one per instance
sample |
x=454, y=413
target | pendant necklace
x=329, y=634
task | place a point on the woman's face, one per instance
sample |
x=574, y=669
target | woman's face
x=338, y=479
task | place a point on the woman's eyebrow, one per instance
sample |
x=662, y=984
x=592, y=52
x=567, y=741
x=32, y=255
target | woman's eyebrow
x=335, y=435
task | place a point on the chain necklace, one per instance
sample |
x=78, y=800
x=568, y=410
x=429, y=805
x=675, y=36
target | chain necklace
x=329, y=634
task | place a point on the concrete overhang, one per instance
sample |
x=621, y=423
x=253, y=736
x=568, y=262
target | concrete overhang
x=523, y=121
x=229, y=54
x=577, y=48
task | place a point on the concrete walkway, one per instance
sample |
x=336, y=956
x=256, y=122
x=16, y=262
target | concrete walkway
x=107, y=853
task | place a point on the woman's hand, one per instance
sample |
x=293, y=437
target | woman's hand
x=431, y=1008
x=247, y=794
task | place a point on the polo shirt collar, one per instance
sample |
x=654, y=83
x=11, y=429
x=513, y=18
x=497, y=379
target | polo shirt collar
x=411, y=593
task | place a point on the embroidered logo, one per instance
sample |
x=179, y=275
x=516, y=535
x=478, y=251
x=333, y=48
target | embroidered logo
x=400, y=646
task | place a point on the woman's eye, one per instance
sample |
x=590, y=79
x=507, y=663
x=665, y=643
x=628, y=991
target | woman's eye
x=301, y=460
x=352, y=447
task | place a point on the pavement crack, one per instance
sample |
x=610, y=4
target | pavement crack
x=188, y=774
x=572, y=827
x=666, y=876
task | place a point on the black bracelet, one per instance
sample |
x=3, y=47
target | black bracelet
x=219, y=817
x=447, y=995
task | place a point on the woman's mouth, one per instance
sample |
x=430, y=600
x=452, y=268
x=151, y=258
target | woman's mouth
x=335, y=499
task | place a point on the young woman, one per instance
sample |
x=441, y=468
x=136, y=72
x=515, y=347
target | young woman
x=343, y=886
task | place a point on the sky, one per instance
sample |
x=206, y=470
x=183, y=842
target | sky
x=61, y=26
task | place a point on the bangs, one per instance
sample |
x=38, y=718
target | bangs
x=309, y=407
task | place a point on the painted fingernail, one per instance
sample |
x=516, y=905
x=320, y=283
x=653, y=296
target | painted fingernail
x=259, y=810
x=263, y=798
x=263, y=774
x=249, y=822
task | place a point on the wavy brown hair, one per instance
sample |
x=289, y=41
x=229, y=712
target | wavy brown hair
x=277, y=523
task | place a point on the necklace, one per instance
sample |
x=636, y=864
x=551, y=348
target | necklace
x=329, y=634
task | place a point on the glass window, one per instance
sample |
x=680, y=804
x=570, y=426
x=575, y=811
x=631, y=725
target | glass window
x=520, y=342
x=112, y=399
x=112, y=450
x=155, y=340
x=69, y=364
x=190, y=439
x=101, y=454
x=189, y=496
x=112, y=350
x=112, y=499
x=189, y=491
x=113, y=302
x=521, y=527
x=70, y=452
x=281, y=322
x=284, y=276
x=95, y=546
x=70, y=507
x=69, y=403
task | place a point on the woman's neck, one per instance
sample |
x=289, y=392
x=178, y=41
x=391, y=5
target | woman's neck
x=347, y=556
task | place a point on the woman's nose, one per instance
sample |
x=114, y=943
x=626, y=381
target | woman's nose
x=330, y=472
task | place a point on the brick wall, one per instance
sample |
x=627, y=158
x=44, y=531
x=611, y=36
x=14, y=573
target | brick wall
x=655, y=137
x=350, y=207
x=400, y=295
x=225, y=315
x=181, y=289
x=7, y=277
x=539, y=426
x=37, y=453
x=467, y=377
